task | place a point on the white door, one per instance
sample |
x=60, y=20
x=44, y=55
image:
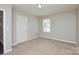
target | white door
x=21, y=28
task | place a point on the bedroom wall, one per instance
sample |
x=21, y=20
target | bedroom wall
x=77, y=15
x=63, y=27
x=32, y=26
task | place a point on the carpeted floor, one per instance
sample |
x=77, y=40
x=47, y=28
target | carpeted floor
x=43, y=46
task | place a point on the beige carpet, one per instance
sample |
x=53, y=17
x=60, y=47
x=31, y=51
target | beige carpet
x=43, y=46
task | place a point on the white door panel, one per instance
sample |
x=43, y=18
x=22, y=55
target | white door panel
x=21, y=28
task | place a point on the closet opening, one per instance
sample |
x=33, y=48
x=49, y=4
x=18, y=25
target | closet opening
x=1, y=32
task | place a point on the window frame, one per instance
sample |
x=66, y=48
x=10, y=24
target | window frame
x=45, y=30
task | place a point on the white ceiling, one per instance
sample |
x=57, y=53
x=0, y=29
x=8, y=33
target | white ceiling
x=47, y=9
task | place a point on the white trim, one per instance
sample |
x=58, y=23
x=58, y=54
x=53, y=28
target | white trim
x=44, y=37
x=7, y=51
x=16, y=43
x=57, y=39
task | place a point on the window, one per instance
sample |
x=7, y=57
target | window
x=46, y=25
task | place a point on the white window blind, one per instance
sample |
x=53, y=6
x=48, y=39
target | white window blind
x=46, y=25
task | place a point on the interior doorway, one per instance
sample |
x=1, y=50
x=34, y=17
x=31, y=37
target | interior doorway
x=1, y=32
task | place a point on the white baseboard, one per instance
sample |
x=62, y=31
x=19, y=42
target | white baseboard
x=58, y=39
x=15, y=43
x=7, y=51
x=45, y=37
x=25, y=40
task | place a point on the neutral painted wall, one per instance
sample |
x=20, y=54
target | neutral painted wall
x=77, y=23
x=32, y=26
x=63, y=27
x=7, y=27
